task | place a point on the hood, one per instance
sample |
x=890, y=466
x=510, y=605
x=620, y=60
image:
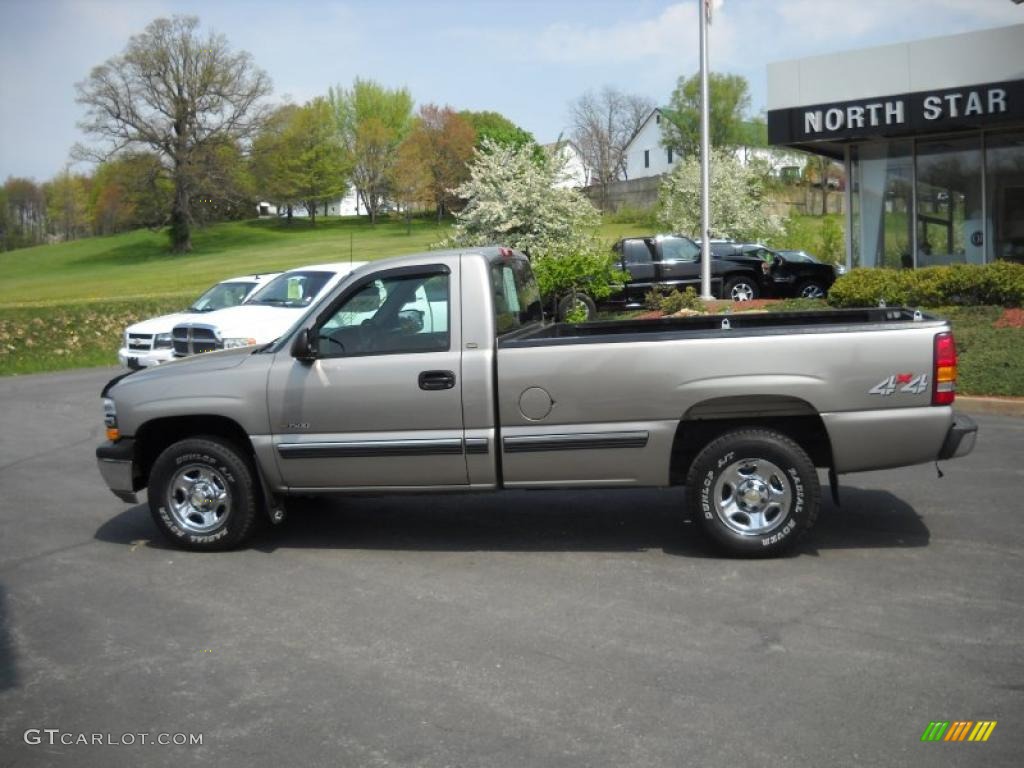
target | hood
x=185, y=366
x=257, y=321
x=164, y=323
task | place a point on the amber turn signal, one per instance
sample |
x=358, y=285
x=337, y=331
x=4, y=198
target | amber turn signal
x=113, y=434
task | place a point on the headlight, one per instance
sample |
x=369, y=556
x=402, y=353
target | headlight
x=235, y=343
x=162, y=341
x=840, y=269
x=124, y=340
x=110, y=419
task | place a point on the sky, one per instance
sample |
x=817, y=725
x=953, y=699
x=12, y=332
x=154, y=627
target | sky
x=527, y=59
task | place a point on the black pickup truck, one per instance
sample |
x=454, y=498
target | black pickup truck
x=738, y=272
x=788, y=275
x=673, y=261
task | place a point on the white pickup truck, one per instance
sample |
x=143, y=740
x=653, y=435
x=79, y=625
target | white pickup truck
x=265, y=315
x=149, y=342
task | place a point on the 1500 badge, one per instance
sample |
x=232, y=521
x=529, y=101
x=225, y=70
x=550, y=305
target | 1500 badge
x=901, y=382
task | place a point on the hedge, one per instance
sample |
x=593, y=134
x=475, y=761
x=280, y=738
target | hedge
x=1000, y=283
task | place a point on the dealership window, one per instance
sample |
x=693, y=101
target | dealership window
x=1004, y=186
x=647, y=158
x=670, y=155
x=883, y=188
x=950, y=212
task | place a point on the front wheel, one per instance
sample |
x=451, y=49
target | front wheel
x=754, y=491
x=741, y=289
x=202, y=494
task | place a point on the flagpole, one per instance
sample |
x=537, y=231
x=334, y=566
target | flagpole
x=705, y=160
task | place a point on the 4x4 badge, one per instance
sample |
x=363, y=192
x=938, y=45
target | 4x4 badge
x=901, y=382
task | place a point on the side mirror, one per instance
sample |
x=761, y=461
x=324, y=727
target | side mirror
x=411, y=320
x=304, y=346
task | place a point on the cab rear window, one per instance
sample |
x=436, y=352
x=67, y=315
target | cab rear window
x=517, y=299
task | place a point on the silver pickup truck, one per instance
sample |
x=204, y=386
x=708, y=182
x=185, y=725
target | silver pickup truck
x=437, y=372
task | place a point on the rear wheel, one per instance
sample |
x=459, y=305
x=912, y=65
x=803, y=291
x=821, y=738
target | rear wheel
x=202, y=494
x=754, y=491
x=580, y=302
x=811, y=289
x=741, y=289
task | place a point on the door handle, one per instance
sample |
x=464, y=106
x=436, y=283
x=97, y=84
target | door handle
x=435, y=380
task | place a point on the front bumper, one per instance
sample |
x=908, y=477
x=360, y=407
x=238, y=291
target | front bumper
x=117, y=465
x=136, y=359
x=960, y=438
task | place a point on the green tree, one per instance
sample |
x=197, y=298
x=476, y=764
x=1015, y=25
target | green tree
x=176, y=94
x=299, y=158
x=738, y=204
x=498, y=129
x=729, y=97
x=130, y=191
x=268, y=161
x=67, y=204
x=372, y=121
x=26, y=213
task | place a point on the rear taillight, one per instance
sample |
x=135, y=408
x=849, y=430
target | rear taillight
x=944, y=377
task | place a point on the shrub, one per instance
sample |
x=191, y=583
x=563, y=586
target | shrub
x=672, y=301
x=1000, y=283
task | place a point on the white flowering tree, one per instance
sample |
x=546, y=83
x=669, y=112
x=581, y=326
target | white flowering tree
x=739, y=208
x=511, y=199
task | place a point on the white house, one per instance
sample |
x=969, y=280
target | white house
x=348, y=205
x=575, y=174
x=645, y=156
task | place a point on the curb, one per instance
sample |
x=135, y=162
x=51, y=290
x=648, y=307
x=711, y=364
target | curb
x=992, y=406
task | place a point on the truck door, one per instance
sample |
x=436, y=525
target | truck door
x=381, y=405
x=678, y=263
x=638, y=261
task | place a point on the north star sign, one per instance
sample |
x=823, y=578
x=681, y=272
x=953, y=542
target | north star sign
x=976, y=106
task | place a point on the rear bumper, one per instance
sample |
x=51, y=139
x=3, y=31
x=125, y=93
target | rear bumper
x=960, y=438
x=116, y=462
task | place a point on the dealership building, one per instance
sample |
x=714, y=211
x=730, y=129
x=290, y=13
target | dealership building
x=931, y=134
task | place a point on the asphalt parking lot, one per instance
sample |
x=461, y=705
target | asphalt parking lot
x=530, y=629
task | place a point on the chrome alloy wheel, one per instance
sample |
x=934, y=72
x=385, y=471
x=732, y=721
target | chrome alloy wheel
x=198, y=498
x=752, y=496
x=742, y=292
x=812, y=291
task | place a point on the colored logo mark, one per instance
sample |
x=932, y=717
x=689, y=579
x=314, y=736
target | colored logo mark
x=958, y=730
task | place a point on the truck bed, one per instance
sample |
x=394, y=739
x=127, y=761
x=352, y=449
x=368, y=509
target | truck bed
x=704, y=326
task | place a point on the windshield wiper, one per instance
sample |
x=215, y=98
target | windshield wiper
x=276, y=302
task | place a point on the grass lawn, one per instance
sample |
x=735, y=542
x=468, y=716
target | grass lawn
x=138, y=264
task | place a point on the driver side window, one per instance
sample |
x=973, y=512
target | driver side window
x=391, y=316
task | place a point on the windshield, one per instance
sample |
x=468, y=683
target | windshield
x=798, y=256
x=221, y=296
x=678, y=249
x=292, y=289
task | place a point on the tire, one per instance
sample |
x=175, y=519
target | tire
x=781, y=483
x=202, y=494
x=740, y=289
x=565, y=304
x=811, y=289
